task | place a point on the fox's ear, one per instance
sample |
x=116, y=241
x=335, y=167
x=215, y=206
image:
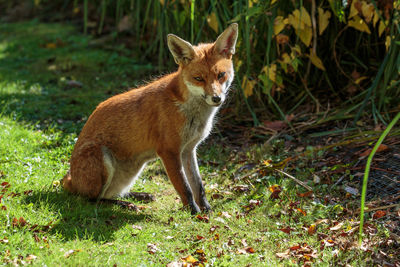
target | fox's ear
x=182, y=50
x=226, y=42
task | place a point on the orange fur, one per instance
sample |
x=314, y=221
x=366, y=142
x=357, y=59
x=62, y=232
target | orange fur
x=165, y=118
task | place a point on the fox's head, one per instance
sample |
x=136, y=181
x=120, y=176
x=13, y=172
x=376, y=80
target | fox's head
x=206, y=69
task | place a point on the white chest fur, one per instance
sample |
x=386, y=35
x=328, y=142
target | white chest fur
x=199, y=120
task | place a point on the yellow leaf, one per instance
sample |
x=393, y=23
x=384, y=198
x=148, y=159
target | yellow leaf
x=301, y=22
x=381, y=28
x=323, y=19
x=252, y=2
x=359, y=80
x=353, y=9
x=296, y=49
x=213, y=21
x=279, y=25
x=376, y=18
x=248, y=86
x=359, y=24
x=300, y=19
x=37, y=2
x=189, y=259
x=51, y=45
x=286, y=58
x=305, y=17
x=387, y=42
x=162, y=2
x=305, y=35
x=238, y=64
x=273, y=2
x=316, y=60
x=270, y=71
x=367, y=11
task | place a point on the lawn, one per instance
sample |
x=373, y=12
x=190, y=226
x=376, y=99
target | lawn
x=51, y=79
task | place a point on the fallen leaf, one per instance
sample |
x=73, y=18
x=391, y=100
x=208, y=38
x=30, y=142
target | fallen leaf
x=5, y=184
x=152, y=248
x=199, y=237
x=189, y=259
x=71, y=252
x=336, y=227
x=295, y=247
x=286, y=230
x=311, y=230
x=226, y=214
x=31, y=257
x=213, y=228
x=283, y=255
x=241, y=188
x=381, y=148
x=275, y=125
x=176, y=264
x=246, y=250
x=302, y=211
x=306, y=194
x=379, y=214
x=136, y=227
x=202, y=218
x=276, y=190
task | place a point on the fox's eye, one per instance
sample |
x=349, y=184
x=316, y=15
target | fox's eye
x=199, y=79
x=220, y=75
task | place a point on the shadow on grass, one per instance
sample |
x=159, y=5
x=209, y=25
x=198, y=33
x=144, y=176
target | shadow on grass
x=81, y=219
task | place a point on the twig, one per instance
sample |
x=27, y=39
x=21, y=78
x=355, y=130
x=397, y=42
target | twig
x=294, y=179
x=338, y=181
x=382, y=207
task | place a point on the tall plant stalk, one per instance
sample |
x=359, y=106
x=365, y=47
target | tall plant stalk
x=366, y=173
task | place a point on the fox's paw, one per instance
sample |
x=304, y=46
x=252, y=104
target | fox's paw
x=194, y=208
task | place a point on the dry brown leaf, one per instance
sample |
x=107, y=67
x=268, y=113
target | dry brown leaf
x=379, y=214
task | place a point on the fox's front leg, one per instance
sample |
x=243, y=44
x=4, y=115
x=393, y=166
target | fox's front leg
x=192, y=172
x=173, y=165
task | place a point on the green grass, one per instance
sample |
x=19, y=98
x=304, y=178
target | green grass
x=40, y=118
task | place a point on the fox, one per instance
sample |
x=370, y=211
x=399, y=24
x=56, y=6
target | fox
x=167, y=118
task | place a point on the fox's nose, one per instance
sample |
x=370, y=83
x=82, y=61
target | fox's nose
x=216, y=99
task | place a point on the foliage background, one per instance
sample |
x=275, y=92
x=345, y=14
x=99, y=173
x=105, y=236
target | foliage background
x=293, y=57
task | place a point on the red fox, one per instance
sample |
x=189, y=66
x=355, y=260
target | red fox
x=167, y=118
